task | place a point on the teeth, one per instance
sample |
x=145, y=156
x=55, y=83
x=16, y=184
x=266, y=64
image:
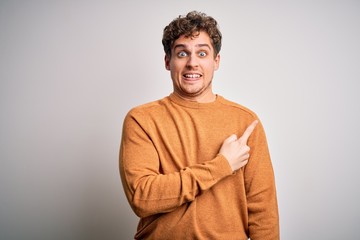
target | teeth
x=192, y=75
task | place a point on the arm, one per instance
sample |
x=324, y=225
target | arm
x=260, y=189
x=148, y=191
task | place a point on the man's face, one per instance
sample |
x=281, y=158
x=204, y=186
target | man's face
x=192, y=65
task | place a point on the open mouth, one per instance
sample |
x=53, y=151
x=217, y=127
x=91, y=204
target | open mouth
x=192, y=76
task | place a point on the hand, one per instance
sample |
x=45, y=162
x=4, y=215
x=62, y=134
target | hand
x=235, y=150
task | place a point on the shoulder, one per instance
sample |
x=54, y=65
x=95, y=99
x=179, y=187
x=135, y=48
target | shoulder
x=149, y=108
x=236, y=107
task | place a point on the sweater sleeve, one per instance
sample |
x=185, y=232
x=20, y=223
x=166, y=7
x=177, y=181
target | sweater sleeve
x=149, y=191
x=260, y=190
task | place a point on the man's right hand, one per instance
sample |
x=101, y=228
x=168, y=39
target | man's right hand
x=236, y=150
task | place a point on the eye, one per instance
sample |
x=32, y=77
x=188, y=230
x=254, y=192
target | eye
x=182, y=54
x=202, y=54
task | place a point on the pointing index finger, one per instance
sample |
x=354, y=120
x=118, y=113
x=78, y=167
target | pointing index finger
x=244, y=138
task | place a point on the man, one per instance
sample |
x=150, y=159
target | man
x=184, y=170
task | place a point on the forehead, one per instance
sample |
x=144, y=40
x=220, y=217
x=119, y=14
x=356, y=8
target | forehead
x=200, y=40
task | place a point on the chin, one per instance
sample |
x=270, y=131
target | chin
x=192, y=92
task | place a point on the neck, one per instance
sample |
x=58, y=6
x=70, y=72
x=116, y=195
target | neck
x=204, y=98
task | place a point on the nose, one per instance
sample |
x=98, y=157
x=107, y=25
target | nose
x=192, y=61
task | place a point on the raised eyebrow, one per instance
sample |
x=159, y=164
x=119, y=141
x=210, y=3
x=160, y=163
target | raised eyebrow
x=180, y=46
x=203, y=45
x=197, y=45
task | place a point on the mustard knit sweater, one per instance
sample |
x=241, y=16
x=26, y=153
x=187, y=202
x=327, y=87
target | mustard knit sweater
x=179, y=185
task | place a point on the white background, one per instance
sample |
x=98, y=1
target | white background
x=70, y=71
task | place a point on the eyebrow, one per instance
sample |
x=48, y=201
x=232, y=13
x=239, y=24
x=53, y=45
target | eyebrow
x=197, y=45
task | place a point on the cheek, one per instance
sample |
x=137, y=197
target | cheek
x=210, y=67
x=175, y=67
x=216, y=66
x=174, y=72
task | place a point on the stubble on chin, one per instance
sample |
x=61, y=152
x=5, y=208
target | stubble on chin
x=194, y=91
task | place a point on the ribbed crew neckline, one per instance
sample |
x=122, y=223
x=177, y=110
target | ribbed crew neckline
x=193, y=104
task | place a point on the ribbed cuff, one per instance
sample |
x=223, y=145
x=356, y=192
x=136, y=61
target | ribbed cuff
x=219, y=167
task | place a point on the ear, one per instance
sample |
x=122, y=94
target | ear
x=167, y=62
x=217, y=61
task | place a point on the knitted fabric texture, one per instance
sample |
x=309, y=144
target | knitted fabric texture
x=179, y=185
